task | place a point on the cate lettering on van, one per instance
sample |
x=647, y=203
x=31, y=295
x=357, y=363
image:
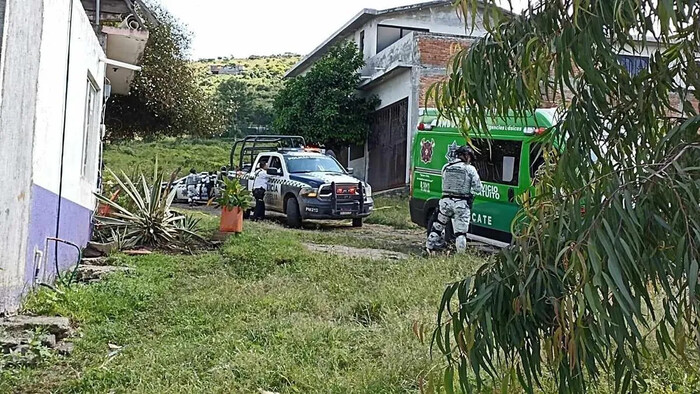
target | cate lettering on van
x=490, y=191
x=482, y=219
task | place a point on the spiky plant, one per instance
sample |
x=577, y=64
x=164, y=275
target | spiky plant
x=146, y=219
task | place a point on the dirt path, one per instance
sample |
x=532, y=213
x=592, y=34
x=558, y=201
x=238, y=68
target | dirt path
x=348, y=251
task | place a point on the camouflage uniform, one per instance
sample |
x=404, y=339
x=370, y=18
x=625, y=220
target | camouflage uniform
x=460, y=182
x=192, y=193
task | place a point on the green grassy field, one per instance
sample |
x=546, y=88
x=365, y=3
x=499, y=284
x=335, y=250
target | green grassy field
x=139, y=156
x=264, y=313
x=392, y=211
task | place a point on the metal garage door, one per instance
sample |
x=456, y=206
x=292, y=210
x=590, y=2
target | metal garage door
x=387, y=146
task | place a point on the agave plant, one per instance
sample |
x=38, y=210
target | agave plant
x=145, y=217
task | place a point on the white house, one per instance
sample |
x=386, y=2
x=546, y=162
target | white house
x=406, y=50
x=53, y=88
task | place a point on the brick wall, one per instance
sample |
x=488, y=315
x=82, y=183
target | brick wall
x=675, y=101
x=438, y=51
x=426, y=81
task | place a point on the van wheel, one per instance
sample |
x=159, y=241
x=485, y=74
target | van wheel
x=357, y=222
x=292, y=212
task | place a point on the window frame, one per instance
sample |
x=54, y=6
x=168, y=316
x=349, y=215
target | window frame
x=90, y=125
x=488, y=146
x=362, y=43
x=403, y=32
x=279, y=161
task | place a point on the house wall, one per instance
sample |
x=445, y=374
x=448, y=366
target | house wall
x=395, y=88
x=19, y=72
x=424, y=58
x=442, y=20
x=58, y=157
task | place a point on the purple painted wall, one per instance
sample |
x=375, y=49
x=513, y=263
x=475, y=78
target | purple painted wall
x=75, y=226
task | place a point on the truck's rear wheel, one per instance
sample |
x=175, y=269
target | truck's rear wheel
x=357, y=222
x=293, y=214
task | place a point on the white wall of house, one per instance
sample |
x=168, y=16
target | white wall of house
x=19, y=62
x=34, y=96
x=85, y=69
x=395, y=88
x=67, y=144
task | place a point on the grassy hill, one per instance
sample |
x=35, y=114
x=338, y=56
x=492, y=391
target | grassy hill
x=263, y=74
x=139, y=156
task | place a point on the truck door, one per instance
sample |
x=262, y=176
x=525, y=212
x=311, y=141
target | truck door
x=273, y=198
x=498, y=163
x=254, y=170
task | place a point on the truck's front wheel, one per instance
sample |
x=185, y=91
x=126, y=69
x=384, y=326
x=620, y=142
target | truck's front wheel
x=293, y=214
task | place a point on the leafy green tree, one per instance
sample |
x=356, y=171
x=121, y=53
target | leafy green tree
x=604, y=264
x=235, y=103
x=165, y=99
x=322, y=105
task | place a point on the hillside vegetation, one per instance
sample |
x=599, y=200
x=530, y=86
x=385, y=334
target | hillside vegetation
x=138, y=156
x=250, y=105
x=262, y=73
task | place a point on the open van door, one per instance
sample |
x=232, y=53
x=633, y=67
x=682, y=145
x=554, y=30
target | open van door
x=499, y=163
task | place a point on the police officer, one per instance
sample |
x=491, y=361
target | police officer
x=259, y=189
x=209, y=183
x=192, y=181
x=460, y=182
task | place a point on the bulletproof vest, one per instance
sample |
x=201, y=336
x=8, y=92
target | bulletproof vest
x=192, y=179
x=455, y=180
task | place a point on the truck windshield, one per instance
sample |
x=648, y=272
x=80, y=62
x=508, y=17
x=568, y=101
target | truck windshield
x=302, y=164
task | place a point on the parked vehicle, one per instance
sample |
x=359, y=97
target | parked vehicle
x=181, y=190
x=303, y=184
x=507, y=160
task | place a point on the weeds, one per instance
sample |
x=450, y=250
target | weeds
x=393, y=212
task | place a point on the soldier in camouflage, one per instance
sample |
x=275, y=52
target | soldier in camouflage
x=460, y=182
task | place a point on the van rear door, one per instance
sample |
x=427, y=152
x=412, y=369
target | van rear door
x=499, y=163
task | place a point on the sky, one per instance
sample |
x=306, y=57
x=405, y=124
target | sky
x=265, y=27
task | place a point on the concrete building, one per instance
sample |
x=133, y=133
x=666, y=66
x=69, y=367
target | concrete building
x=406, y=49
x=53, y=87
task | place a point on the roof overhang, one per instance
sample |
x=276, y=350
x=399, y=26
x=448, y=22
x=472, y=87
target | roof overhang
x=351, y=26
x=125, y=48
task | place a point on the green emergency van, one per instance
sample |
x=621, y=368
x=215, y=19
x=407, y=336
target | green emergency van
x=508, y=156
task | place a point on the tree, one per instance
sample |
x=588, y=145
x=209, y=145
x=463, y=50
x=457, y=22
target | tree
x=323, y=105
x=164, y=97
x=235, y=104
x=605, y=257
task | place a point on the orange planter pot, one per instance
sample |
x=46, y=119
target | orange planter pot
x=231, y=220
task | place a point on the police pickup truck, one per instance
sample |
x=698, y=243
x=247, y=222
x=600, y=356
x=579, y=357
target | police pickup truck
x=303, y=183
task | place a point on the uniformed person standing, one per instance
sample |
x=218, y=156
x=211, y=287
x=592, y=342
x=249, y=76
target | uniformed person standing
x=259, y=189
x=460, y=182
x=192, y=181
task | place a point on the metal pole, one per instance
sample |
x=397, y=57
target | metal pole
x=98, y=19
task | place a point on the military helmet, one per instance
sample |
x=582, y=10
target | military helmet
x=465, y=151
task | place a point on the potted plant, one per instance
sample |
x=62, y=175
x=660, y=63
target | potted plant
x=234, y=199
